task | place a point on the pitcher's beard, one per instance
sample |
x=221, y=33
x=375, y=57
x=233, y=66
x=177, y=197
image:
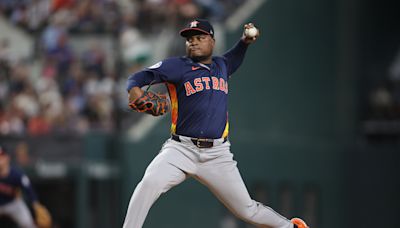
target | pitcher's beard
x=198, y=58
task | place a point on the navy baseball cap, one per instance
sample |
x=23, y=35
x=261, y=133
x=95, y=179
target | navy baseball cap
x=197, y=26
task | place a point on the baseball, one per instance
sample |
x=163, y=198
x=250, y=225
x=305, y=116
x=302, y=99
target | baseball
x=251, y=32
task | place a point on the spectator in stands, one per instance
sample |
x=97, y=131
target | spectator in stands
x=62, y=96
x=37, y=14
x=93, y=59
x=6, y=59
x=61, y=4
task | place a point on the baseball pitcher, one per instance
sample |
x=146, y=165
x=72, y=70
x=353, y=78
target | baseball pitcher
x=199, y=145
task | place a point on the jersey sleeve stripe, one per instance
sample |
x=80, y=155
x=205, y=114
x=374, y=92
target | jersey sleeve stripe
x=174, y=106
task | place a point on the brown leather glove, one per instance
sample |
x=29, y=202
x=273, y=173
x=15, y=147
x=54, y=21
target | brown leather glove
x=42, y=216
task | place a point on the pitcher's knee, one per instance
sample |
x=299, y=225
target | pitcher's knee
x=247, y=213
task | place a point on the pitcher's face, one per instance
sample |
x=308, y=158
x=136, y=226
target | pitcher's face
x=200, y=47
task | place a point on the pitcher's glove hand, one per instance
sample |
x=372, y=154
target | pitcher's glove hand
x=151, y=103
x=42, y=216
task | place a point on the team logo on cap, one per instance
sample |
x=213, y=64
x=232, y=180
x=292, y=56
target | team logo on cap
x=193, y=24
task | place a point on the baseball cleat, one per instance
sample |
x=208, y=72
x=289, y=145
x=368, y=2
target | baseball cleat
x=299, y=223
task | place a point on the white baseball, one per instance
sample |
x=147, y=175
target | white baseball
x=250, y=32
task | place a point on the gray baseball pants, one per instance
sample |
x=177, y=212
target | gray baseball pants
x=19, y=212
x=214, y=167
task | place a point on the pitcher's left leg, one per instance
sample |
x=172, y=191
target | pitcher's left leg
x=222, y=177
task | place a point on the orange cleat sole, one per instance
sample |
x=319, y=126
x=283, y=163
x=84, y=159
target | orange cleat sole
x=299, y=223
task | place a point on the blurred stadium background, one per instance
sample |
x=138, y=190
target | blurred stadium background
x=314, y=109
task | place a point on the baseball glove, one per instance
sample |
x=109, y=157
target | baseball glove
x=42, y=216
x=151, y=103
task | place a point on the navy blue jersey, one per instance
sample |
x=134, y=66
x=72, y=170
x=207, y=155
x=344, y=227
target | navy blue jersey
x=12, y=184
x=198, y=92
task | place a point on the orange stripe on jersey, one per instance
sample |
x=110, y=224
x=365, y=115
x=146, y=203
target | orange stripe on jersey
x=174, y=106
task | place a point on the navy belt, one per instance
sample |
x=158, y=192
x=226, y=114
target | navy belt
x=199, y=142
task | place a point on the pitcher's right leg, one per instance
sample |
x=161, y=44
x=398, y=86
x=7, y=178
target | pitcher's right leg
x=163, y=173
